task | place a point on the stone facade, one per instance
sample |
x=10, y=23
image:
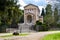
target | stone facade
x=31, y=14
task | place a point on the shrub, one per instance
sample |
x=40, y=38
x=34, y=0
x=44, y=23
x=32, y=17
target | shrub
x=3, y=28
x=58, y=25
x=45, y=27
x=42, y=27
x=15, y=33
x=38, y=23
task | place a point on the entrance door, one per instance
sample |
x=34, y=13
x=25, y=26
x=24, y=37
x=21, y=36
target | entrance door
x=29, y=18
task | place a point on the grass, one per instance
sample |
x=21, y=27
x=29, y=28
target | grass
x=23, y=34
x=55, y=36
x=10, y=35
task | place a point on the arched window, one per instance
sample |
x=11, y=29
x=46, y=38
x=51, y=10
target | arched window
x=29, y=18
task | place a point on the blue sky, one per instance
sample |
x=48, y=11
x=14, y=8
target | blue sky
x=36, y=2
x=39, y=3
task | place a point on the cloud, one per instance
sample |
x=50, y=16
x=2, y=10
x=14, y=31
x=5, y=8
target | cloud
x=40, y=7
x=22, y=8
x=53, y=1
x=22, y=3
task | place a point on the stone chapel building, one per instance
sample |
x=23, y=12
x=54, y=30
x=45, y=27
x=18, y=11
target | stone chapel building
x=31, y=15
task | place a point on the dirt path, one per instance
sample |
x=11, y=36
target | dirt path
x=32, y=36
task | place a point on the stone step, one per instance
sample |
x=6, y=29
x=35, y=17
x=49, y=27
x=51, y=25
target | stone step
x=25, y=28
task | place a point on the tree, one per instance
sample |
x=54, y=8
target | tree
x=56, y=15
x=9, y=13
x=48, y=10
x=43, y=13
x=48, y=18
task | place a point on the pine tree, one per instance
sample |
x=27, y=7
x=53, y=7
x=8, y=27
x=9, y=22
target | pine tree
x=43, y=13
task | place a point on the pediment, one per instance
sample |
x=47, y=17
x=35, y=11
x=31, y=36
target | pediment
x=31, y=6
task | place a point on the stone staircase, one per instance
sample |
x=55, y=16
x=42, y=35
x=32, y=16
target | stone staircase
x=25, y=28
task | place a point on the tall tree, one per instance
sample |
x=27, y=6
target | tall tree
x=48, y=19
x=56, y=15
x=48, y=10
x=43, y=13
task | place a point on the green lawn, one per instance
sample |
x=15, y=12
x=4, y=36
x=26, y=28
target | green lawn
x=10, y=35
x=55, y=36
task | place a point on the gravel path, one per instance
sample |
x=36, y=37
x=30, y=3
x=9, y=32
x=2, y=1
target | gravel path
x=32, y=36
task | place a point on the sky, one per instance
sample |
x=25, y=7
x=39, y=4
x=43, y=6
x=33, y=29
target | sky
x=40, y=3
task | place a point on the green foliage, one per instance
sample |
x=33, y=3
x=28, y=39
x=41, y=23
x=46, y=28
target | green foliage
x=22, y=19
x=56, y=15
x=58, y=25
x=3, y=28
x=9, y=12
x=45, y=27
x=43, y=13
x=48, y=9
x=38, y=23
x=41, y=26
x=48, y=18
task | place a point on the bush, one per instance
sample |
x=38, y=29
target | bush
x=42, y=27
x=3, y=28
x=38, y=23
x=15, y=33
x=45, y=27
x=58, y=25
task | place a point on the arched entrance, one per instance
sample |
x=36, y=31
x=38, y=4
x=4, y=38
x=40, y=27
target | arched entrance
x=29, y=19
